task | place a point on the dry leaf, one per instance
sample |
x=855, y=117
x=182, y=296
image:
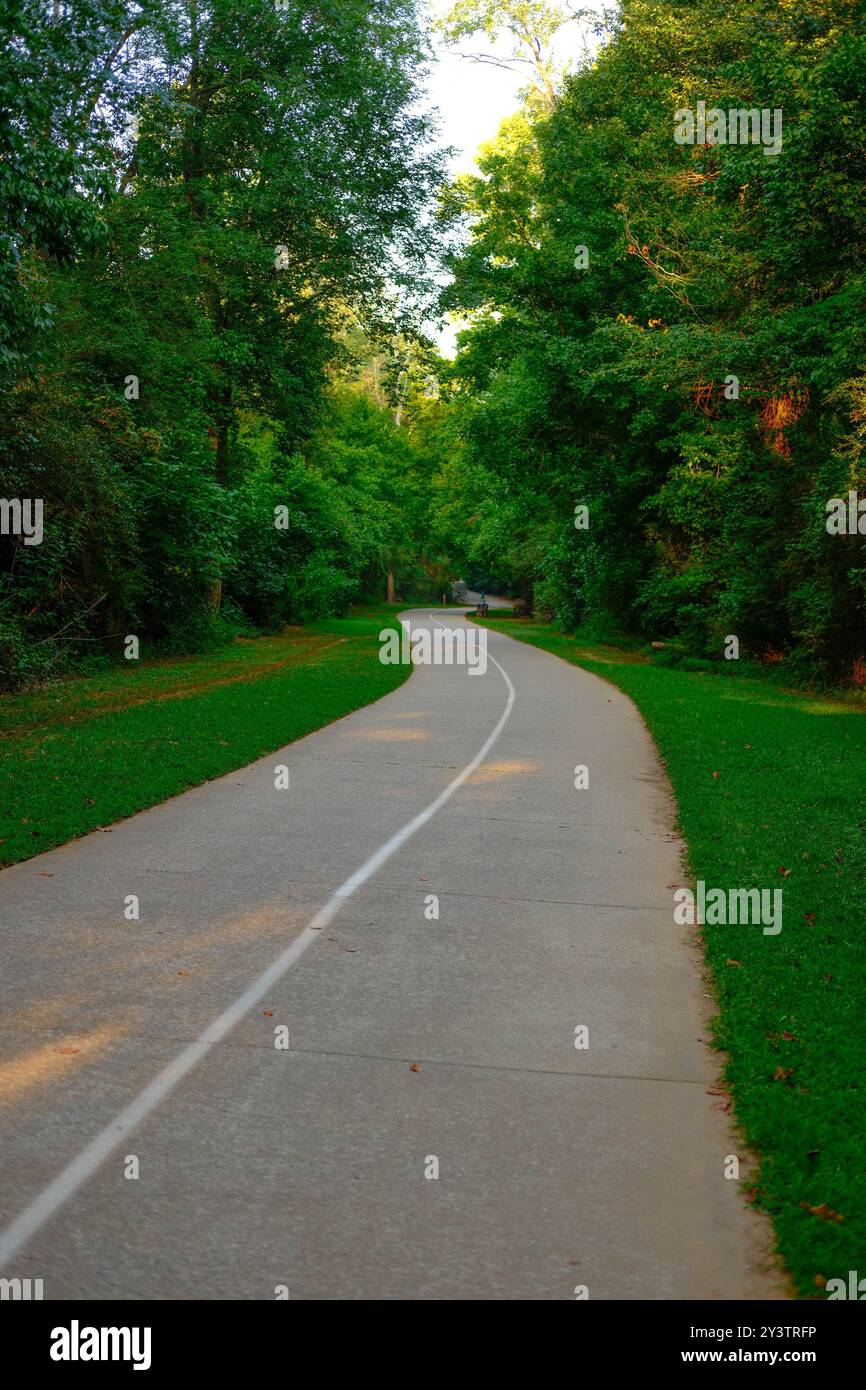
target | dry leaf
x=826, y=1213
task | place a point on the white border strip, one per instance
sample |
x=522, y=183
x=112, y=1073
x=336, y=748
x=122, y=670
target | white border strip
x=81, y=1169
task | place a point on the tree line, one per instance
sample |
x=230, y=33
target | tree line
x=214, y=258
x=670, y=332
x=220, y=227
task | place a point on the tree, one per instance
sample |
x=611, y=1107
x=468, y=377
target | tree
x=243, y=177
x=531, y=26
x=600, y=378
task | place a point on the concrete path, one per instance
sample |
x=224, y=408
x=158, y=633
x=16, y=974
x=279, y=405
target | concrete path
x=411, y=1039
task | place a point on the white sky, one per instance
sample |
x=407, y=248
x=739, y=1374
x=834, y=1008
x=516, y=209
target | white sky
x=473, y=98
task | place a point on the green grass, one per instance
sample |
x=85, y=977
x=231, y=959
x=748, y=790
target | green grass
x=790, y=794
x=86, y=752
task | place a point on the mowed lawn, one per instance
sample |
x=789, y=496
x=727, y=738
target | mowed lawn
x=84, y=753
x=771, y=788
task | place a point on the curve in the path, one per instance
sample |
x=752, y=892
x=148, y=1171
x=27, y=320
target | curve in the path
x=432, y=1001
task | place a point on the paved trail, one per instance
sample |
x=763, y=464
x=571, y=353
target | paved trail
x=262, y=1167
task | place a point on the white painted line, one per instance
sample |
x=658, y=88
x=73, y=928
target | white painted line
x=81, y=1169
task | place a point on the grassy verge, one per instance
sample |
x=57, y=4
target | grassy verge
x=87, y=752
x=771, y=788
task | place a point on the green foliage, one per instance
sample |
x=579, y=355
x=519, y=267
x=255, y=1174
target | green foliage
x=308, y=569
x=605, y=385
x=46, y=162
x=197, y=199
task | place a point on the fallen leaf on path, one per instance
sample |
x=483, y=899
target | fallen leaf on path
x=414, y=1067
